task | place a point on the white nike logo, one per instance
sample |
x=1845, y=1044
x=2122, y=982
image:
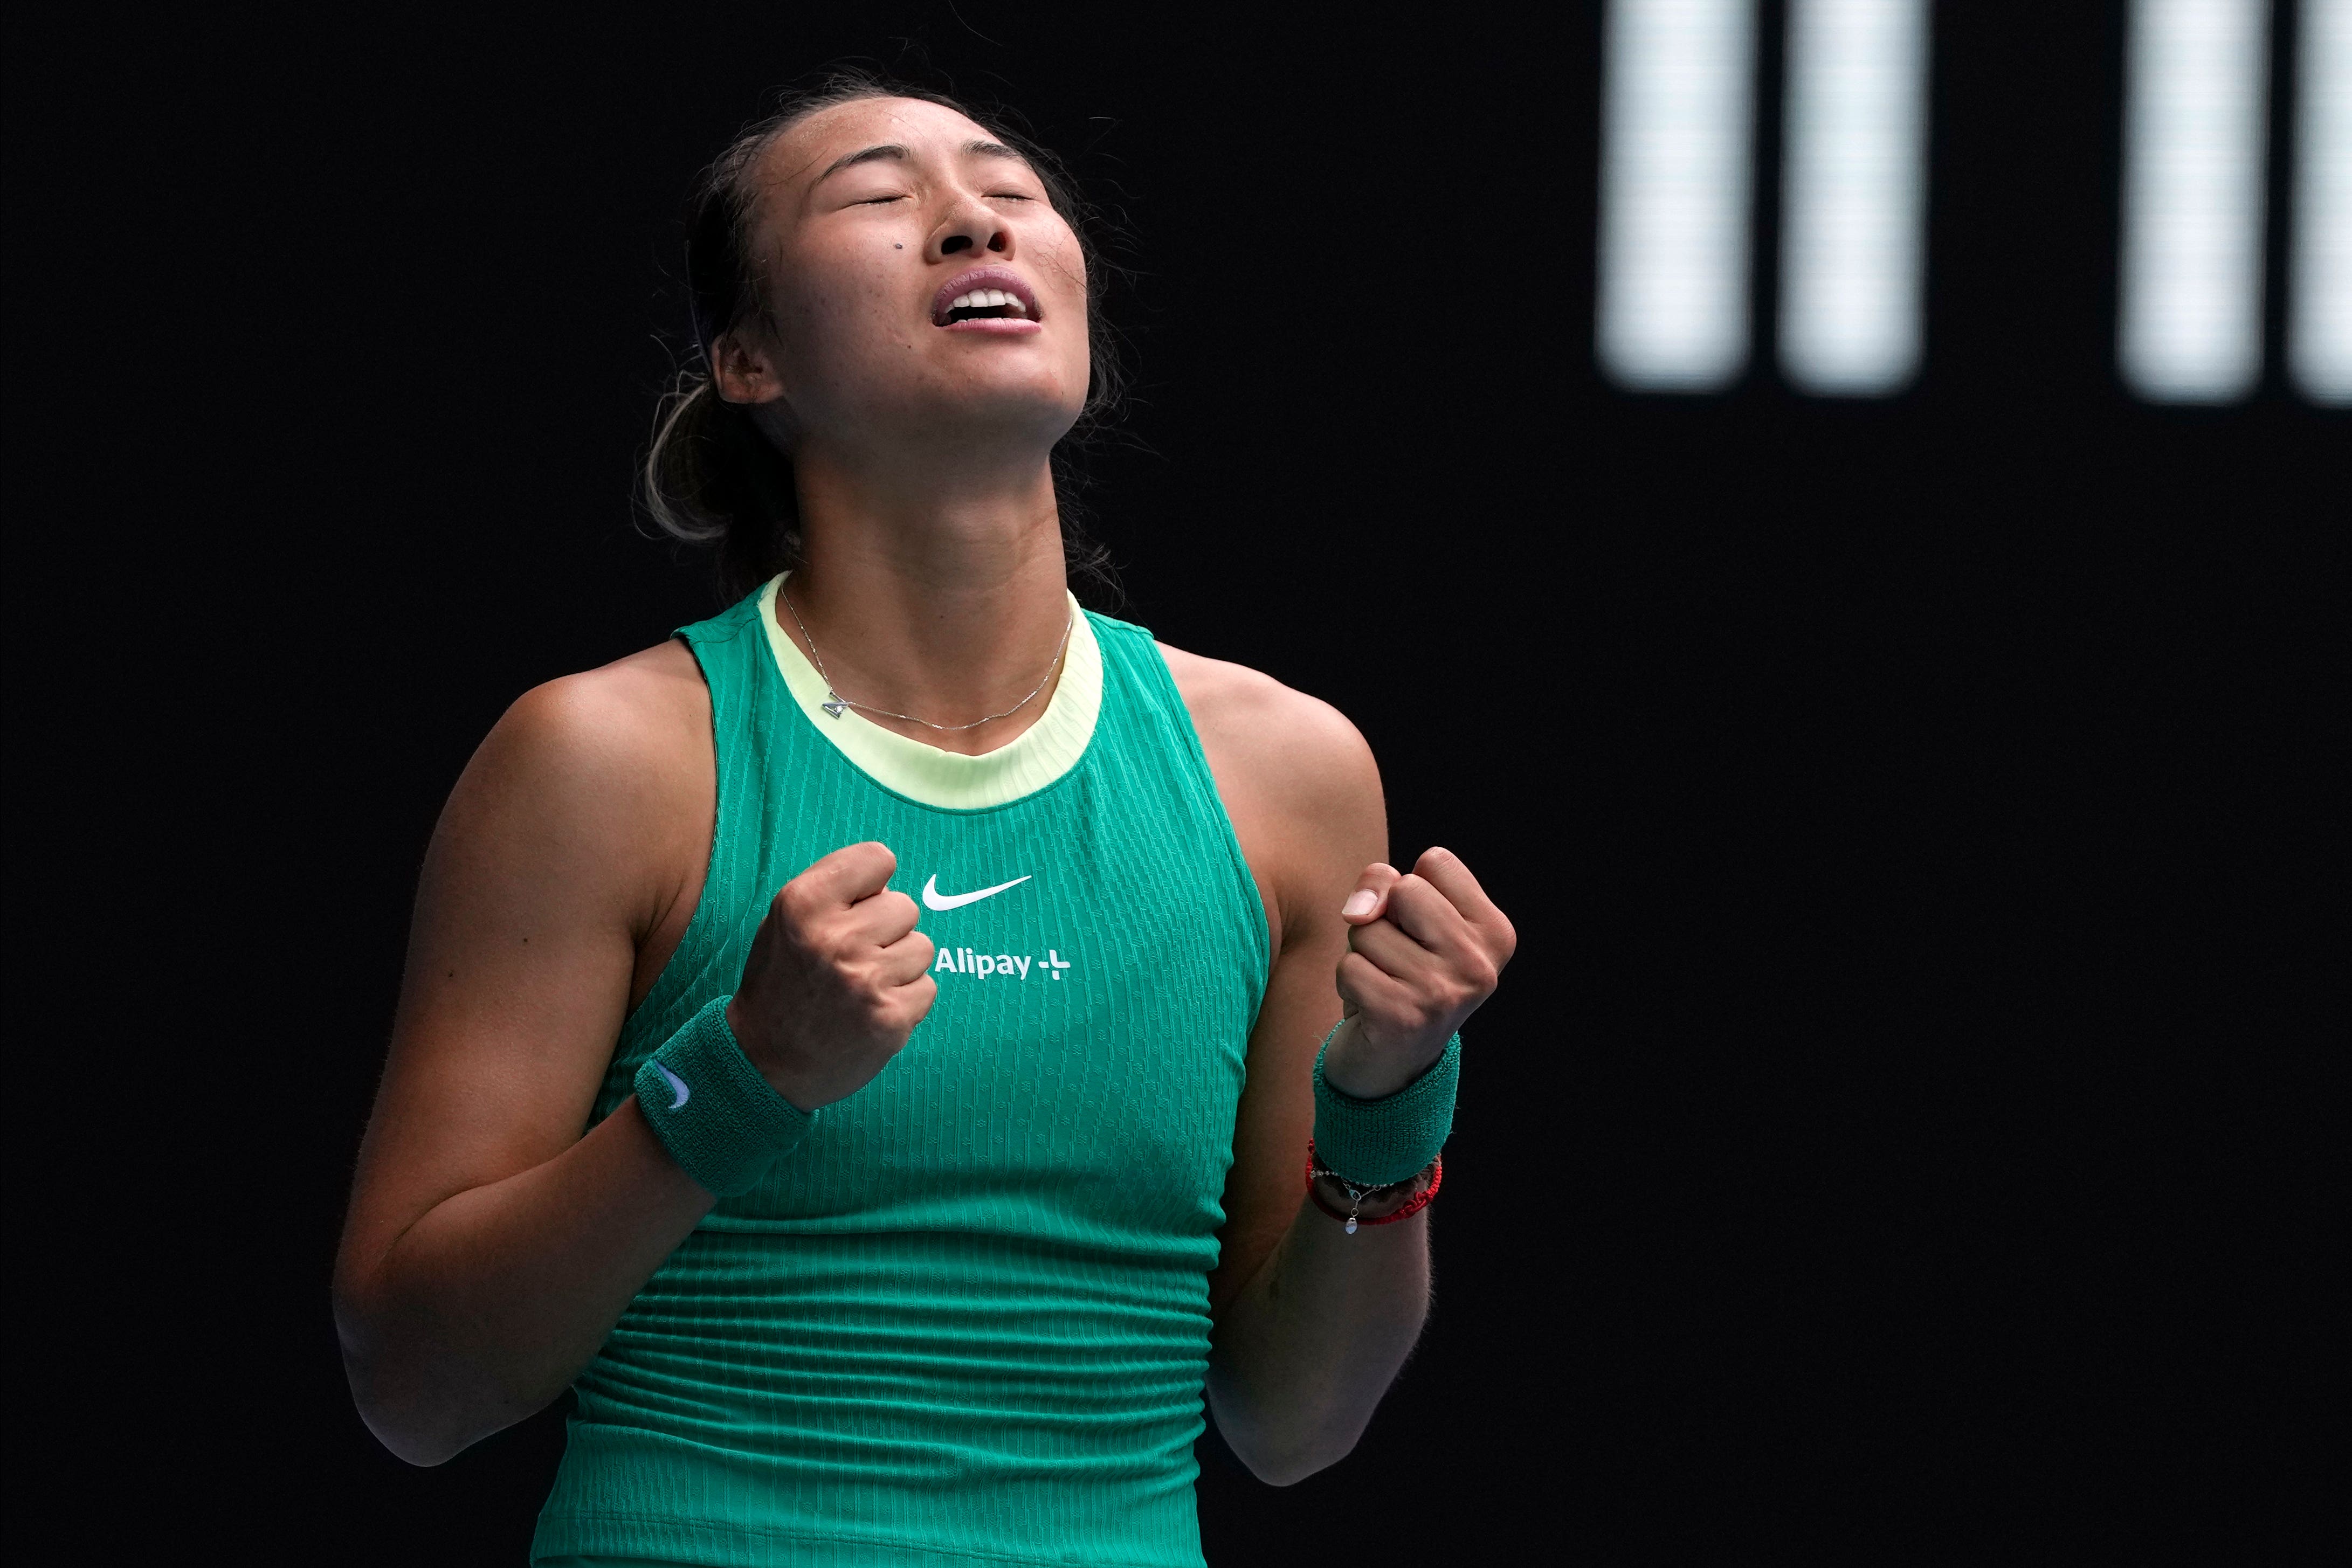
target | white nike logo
x=676, y=1082
x=934, y=899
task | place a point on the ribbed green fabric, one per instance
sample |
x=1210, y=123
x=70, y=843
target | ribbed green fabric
x=965, y=1321
x=720, y=1120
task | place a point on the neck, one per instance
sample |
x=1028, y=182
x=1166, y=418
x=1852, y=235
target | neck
x=940, y=595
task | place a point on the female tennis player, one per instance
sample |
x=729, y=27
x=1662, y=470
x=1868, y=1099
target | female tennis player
x=889, y=1048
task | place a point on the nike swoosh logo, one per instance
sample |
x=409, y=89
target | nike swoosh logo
x=934, y=899
x=676, y=1082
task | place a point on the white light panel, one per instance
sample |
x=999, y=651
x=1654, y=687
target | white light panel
x=1852, y=189
x=2319, y=289
x=2194, y=121
x=1674, y=182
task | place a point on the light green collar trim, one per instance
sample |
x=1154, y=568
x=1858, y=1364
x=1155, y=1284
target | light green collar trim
x=1039, y=755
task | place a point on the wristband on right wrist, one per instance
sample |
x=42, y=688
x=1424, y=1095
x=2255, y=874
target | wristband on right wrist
x=720, y=1120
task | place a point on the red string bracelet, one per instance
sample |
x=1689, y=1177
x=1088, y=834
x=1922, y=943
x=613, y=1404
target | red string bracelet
x=1358, y=1194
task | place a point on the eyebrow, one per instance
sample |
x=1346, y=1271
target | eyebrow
x=893, y=150
x=868, y=155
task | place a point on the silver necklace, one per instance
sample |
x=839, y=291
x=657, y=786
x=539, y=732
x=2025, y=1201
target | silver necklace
x=835, y=703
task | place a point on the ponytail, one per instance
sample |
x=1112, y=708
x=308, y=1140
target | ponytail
x=713, y=479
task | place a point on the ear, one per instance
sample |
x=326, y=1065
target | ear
x=743, y=368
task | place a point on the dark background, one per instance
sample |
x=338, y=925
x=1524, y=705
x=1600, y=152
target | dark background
x=1900, y=1127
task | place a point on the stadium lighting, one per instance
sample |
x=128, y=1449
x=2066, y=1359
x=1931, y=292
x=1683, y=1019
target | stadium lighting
x=1853, y=194
x=2194, y=123
x=1674, y=193
x=2319, y=288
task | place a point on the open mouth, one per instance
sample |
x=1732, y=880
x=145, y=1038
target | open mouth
x=986, y=299
x=984, y=305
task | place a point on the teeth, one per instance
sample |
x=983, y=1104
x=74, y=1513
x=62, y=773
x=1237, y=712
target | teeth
x=988, y=299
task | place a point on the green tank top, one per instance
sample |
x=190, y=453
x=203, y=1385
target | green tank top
x=966, y=1322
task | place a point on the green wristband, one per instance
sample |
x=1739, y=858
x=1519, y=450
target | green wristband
x=1373, y=1142
x=711, y=1109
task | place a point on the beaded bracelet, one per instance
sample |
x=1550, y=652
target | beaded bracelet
x=1356, y=1194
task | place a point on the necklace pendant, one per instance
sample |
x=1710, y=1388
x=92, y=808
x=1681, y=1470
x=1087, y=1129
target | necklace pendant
x=835, y=706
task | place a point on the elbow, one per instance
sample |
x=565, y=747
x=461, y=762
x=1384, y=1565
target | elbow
x=393, y=1399
x=414, y=1442
x=387, y=1406
x=421, y=1431
x=1287, y=1460
x=1281, y=1447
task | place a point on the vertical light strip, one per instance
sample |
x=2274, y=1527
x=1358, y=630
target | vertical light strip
x=2319, y=291
x=1853, y=189
x=1674, y=182
x=2194, y=125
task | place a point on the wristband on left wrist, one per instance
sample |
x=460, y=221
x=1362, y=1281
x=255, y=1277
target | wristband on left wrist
x=1385, y=1141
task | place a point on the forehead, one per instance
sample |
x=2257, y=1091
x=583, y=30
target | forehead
x=802, y=153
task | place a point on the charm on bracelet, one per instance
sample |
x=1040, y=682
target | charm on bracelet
x=1357, y=1192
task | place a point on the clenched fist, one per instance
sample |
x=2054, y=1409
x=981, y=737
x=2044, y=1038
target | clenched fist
x=1424, y=950
x=836, y=979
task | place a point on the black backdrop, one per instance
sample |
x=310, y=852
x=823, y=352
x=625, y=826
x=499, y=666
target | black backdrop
x=1900, y=1123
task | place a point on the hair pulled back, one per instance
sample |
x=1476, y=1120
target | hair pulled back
x=711, y=477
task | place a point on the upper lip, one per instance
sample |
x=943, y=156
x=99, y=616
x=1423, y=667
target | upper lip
x=1002, y=278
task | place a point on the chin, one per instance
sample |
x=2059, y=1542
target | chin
x=1007, y=398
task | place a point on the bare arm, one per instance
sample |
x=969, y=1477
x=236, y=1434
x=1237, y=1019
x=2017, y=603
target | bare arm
x=1313, y=1324
x=490, y=1246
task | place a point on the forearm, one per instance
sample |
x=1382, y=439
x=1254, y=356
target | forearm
x=483, y=1310
x=1305, y=1353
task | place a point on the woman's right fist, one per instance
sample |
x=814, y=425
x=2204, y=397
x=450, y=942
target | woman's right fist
x=836, y=979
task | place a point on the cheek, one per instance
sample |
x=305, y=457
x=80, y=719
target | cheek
x=1078, y=368
x=831, y=328
x=1063, y=270
x=1062, y=266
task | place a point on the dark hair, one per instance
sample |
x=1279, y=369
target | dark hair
x=711, y=476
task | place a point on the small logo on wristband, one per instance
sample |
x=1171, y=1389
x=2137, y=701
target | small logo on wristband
x=676, y=1082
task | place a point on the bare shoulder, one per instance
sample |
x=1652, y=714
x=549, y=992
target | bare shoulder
x=1291, y=751
x=607, y=774
x=570, y=851
x=619, y=707
x=1297, y=781
x=631, y=723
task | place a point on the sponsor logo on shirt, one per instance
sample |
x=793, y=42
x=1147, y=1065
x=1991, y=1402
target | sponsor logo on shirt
x=987, y=966
x=1002, y=965
x=934, y=899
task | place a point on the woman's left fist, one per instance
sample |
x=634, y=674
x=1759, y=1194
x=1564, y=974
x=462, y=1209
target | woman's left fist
x=1424, y=949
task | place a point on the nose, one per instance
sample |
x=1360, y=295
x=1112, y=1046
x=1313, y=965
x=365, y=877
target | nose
x=972, y=228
